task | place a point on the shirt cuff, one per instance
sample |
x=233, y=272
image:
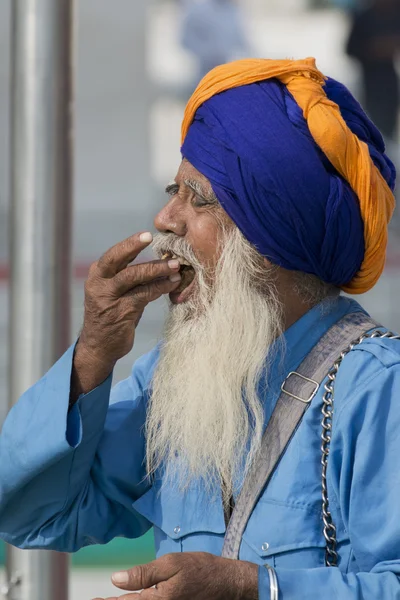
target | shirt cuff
x=85, y=405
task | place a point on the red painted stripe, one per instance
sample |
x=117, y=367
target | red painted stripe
x=3, y=272
x=80, y=270
x=393, y=261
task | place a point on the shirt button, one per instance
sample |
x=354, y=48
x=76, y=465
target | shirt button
x=177, y=530
x=265, y=547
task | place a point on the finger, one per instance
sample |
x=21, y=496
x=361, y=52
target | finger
x=142, y=295
x=119, y=256
x=146, y=576
x=133, y=596
x=154, y=593
x=144, y=273
x=145, y=595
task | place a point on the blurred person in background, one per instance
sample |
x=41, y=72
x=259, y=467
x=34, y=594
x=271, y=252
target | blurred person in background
x=281, y=201
x=348, y=5
x=213, y=32
x=374, y=42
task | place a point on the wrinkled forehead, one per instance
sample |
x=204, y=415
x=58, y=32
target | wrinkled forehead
x=193, y=180
x=187, y=172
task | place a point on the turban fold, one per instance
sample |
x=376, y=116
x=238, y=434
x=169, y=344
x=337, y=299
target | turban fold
x=297, y=165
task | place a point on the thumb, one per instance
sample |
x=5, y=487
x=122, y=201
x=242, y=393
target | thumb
x=146, y=576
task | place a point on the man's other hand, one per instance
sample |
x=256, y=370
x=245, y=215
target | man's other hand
x=190, y=576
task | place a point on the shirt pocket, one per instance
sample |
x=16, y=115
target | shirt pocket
x=288, y=536
x=183, y=522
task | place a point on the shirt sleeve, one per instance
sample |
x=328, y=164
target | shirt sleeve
x=365, y=486
x=68, y=479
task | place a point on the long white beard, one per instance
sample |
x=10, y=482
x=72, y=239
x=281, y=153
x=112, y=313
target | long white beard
x=205, y=407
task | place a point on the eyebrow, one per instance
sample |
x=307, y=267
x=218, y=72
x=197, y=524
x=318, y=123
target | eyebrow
x=209, y=196
x=198, y=189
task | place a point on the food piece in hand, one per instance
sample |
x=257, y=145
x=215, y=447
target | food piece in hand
x=187, y=272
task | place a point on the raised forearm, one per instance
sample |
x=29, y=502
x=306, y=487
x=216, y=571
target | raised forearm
x=88, y=372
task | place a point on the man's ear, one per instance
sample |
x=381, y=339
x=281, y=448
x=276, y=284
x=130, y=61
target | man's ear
x=268, y=263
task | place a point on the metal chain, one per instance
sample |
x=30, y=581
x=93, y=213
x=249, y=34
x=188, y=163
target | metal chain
x=331, y=555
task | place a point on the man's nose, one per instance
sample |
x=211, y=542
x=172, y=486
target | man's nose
x=171, y=219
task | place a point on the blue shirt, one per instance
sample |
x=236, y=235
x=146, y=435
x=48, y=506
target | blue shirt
x=72, y=479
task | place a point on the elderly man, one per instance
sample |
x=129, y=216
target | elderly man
x=282, y=199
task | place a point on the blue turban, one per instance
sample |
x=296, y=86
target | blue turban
x=253, y=144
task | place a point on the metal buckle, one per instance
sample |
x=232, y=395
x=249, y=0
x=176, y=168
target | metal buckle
x=305, y=379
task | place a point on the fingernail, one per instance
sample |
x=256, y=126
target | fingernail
x=174, y=264
x=175, y=278
x=121, y=577
x=146, y=238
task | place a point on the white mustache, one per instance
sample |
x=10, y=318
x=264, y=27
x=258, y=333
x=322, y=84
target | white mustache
x=168, y=242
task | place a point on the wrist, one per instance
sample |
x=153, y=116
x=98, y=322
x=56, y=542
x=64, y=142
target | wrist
x=88, y=371
x=90, y=358
x=246, y=580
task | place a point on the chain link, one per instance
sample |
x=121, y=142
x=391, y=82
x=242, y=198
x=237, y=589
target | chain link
x=331, y=555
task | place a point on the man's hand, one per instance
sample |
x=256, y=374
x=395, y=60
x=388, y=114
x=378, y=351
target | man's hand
x=116, y=295
x=190, y=576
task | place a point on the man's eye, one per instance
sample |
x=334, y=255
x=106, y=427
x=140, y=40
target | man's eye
x=199, y=202
x=172, y=190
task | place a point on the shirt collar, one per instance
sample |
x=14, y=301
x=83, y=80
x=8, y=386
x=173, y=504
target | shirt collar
x=298, y=340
